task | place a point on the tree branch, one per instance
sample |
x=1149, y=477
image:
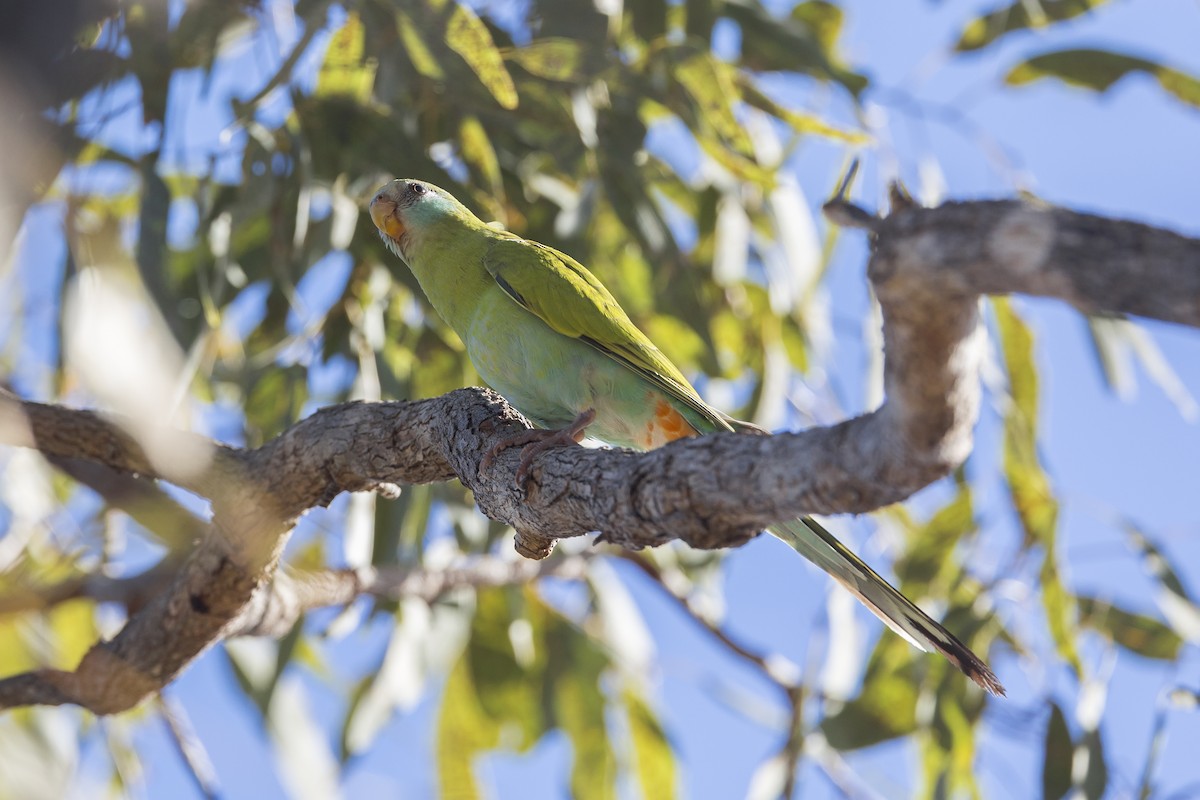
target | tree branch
x=276, y=611
x=928, y=268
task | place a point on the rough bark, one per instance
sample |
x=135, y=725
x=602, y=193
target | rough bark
x=928, y=268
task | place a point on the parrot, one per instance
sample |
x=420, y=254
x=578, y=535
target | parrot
x=546, y=334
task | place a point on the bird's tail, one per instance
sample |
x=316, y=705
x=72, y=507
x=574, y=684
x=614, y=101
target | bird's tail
x=900, y=614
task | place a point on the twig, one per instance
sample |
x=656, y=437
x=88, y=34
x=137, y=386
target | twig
x=763, y=663
x=189, y=746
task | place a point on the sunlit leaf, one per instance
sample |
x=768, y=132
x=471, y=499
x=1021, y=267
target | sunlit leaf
x=74, y=629
x=464, y=730
x=416, y=49
x=822, y=19
x=1100, y=69
x=711, y=84
x=800, y=121
x=654, y=760
x=679, y=342
x=469, y=37
x=741, y=166
x=15, y=654
x=345, y=72
x=555, y=59
x=480, y=156
x=1032, y=494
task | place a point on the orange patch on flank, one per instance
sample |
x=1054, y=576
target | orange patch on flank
x=666, y=425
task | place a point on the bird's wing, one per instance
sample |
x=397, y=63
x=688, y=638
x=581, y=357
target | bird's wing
x=567, y=297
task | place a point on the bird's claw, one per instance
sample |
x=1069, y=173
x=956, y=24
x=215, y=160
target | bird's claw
x=535, y=442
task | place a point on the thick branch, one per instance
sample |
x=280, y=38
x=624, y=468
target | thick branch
x=928, y=269
x=1008, y=246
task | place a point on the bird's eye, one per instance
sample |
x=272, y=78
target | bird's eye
x=416, y=189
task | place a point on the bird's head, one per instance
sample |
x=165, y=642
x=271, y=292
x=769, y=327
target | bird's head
x=405, y=210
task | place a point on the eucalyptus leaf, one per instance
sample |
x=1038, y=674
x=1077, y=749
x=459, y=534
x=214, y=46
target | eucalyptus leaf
x=1018, y=16
x=1099, y=70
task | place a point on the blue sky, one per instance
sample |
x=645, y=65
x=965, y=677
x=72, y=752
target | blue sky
x=1132, y=153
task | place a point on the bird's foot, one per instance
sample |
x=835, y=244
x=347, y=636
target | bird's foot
x=534, y=442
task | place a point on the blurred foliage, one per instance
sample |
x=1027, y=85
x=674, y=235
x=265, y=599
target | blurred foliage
x=543, y=116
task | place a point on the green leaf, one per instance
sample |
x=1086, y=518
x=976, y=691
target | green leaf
x=74, y=626
x=948, y=751
x=822, y=19
x=1137, y=633
x=418, y=52
x=152, y=246
x=648, y=18
x=1117, y=342
x=712, y=87
x=679, y=342
x=1057, y=753
x=927, y=559
x=1020, y=15
x=464, y=730
x=1016, y=342
x=205, y=30
x=480, y=156
x=799, y=121
x=740, y=166
x=886, y=708
x=1032, y=495
x=554, y=58
x=790, y=44
x=505, y=675
x=574, y=668
x=700, y=16
x=259, y=664
x=1095, y=778
x=1110, y=343
x=1100, y=69
x=653, y=758
x=276, y=401
x=344, y=71
x=469, y=37
x=1172, y=598
x=304, y=759
x=15, y=653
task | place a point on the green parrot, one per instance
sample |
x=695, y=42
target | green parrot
x=546, y=334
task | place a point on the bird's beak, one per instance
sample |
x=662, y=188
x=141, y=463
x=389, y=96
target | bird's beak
x=383, y=214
